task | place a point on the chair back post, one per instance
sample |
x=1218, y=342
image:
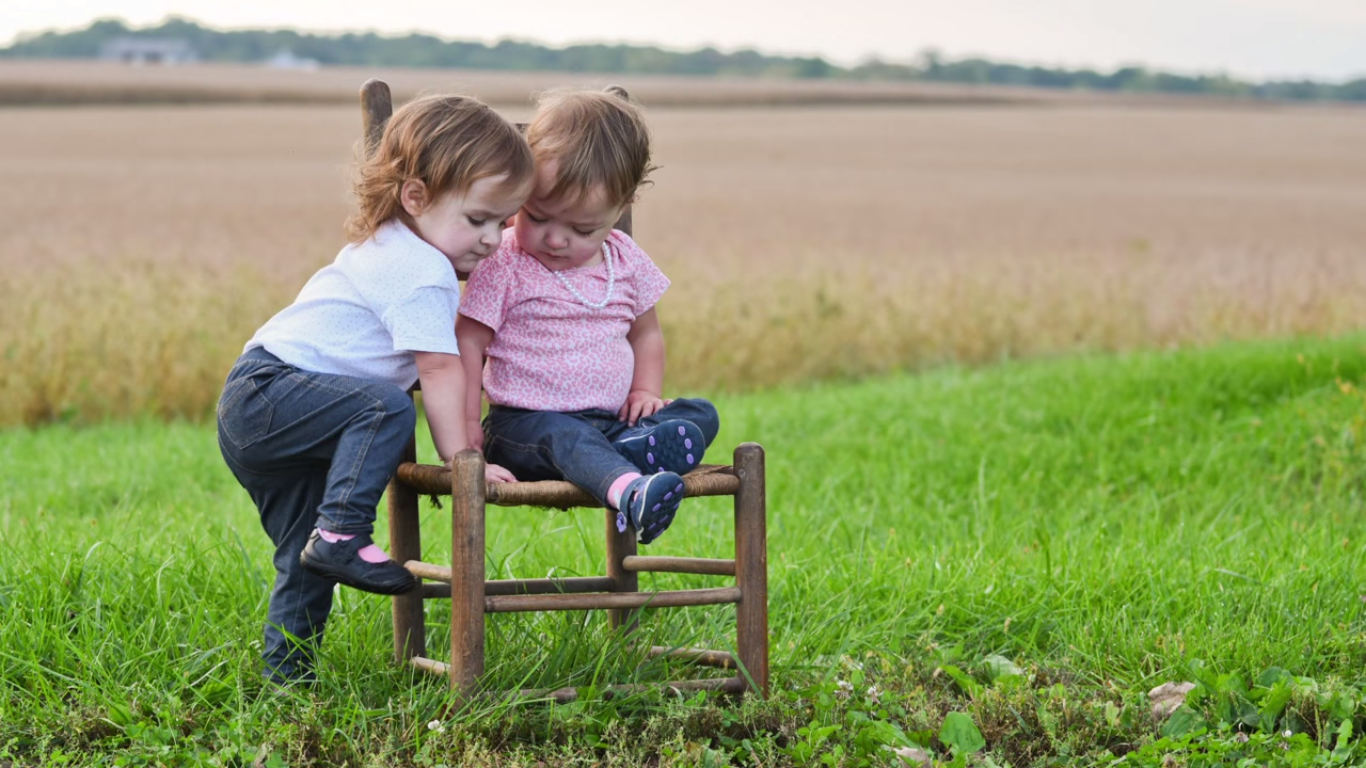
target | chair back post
x=376, y=107
x=405, y=535
x=405, y=544
x=623, y=223
x=621, y=544
x=751, y=566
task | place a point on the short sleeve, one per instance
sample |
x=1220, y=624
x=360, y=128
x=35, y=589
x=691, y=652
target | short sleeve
x=424, y=321
x=487, y=290
x=649, y=282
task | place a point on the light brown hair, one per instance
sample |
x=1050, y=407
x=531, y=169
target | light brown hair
x=445, y=142
x=598, y=138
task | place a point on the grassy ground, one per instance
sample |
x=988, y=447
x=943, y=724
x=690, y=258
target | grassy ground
x=995, y=563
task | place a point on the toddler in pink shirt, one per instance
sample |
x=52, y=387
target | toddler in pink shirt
x=564, y=311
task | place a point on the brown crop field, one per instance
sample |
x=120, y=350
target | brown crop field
x=142, y=245
x=30, y=83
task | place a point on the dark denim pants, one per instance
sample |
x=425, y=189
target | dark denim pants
x=577, y=446
x=313, y=450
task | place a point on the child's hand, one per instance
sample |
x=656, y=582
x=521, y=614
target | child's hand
x=640, y=404
x=496, y=474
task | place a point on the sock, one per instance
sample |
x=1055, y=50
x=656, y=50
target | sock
x=619, y=487
x=369, y=553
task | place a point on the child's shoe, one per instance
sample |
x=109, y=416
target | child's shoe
x=649, y=504
x=675, y=445
x=340, y=561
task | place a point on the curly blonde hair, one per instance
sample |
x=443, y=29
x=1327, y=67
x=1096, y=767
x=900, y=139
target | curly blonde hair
x=445, y=142
x=598, y=138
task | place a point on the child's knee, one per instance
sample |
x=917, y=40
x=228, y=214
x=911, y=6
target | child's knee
x=704, y=415
x=399, y=412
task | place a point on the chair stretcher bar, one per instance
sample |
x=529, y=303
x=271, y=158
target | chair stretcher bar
x=679, y=565
x=675, y=599
x=567, y=695
x=701, y=656
x=437, y=590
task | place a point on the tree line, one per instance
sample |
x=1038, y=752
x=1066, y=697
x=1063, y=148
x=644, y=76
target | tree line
x=419, y=50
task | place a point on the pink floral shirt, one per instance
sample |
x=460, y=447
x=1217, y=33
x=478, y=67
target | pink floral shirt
x=550, y=352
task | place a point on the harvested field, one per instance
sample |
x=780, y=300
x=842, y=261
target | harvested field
x=90, y=82
x=144, y=244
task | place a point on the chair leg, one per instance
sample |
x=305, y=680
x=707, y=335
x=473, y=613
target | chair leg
x=467, y=572
x=405, y=543
x=751, y=566
x=620, y=545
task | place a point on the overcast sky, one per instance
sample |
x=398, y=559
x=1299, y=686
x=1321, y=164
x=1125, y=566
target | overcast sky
x=1324, y=39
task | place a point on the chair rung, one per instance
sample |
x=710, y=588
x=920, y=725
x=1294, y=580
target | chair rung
x=566, y=695
x=701, y=656
x=438, y=591
x=510, y=586
x=675, y=599
x=428, y=570
x=568, y=585
x=430, y=666
x=706, y=480
x=679, y=565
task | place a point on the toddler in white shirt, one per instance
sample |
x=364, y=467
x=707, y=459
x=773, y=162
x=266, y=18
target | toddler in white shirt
x=315, y=414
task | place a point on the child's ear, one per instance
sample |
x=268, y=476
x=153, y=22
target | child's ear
x=413, y=197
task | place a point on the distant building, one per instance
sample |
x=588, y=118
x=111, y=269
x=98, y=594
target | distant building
x=148, y=50
x=286, y=59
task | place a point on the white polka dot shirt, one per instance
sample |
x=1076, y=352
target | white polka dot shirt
x=366, y=313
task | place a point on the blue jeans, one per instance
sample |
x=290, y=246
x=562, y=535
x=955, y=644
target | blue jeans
x=312, y=450
x=577, y=446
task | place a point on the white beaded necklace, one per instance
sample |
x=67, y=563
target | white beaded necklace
x=611, y=282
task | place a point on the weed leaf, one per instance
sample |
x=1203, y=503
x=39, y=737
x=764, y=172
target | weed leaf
x=970, y=686
x=961, y=734
x=1183, y=721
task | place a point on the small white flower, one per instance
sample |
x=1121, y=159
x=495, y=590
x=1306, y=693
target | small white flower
x=912, y=756
x=874, y=695
x=1287, y=734
x=436, y=725
x=845, y=688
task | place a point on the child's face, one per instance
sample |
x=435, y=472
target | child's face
x=466, y=228
x=564, y=234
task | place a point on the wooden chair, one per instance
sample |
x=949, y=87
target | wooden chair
x=618, y=592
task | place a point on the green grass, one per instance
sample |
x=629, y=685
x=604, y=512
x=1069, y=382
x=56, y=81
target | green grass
x=1106, y=524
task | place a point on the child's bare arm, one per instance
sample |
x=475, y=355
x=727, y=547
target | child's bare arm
x=443, y=397
x=647, y=384
x=474, y=338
